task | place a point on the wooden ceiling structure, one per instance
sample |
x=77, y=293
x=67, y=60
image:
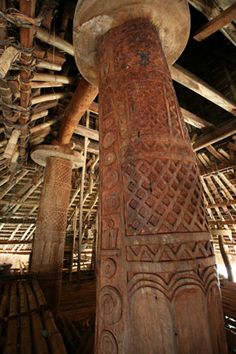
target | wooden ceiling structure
x=38, y=77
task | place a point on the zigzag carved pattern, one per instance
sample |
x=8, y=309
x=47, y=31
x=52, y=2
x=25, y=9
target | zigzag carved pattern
x=169, y=252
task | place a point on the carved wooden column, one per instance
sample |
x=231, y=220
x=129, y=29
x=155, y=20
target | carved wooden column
x=48, y=248
x=157, y=289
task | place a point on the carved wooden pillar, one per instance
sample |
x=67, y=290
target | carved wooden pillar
x=48, y=247
x=157, y=289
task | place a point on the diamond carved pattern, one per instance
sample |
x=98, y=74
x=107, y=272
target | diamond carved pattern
x=162, y=197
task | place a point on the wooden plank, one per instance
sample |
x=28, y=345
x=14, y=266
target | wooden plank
x=192, y=82
x=215, y=136
x=216, y=24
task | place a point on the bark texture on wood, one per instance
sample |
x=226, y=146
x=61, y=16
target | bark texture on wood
x=48, y=247
x=157, y=287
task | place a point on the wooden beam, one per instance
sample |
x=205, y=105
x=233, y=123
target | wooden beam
x=195, y=120
x=221, y=204
x=6, y=220
x=210, y=9
x=192, y=82
x=217, y=23
x=222, y=222
x=218, y=167
x=223, y=232
x=215, y=136
x=15, y=252
x=87, y=132
x=15, y=242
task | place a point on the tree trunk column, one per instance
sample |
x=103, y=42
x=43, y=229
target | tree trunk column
x=48, y=246
x=157, y=289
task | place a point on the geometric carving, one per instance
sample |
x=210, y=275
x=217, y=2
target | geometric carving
x=111, y=203
x=109, y=267
x=108, y=344
x=110, y=305
x=111, y=178
x=108, y=140
x=163, y=196
x=169, y=252
x=109, y=235
x=176, y=281
x=109, y=158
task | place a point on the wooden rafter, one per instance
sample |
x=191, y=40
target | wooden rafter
x=216, y=23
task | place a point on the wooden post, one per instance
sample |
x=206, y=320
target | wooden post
x=27, y=41
x=48, y=247
x=157, y=289
x=225, y=258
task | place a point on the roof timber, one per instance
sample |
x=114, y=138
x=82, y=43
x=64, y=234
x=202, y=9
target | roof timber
x=216, y=23
x=191, y=81
x=216, y=135
x=212, y=9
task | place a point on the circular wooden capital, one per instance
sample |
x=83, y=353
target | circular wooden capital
x=40, y=154
x=94, y=18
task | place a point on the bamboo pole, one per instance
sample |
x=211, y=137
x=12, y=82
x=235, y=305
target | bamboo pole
x=43, y=106
x=11, y=145
x=86, y=142
x=46, y=65
x=25, y=332
x=42, y=126
x=49, y=97
x=50, y=38
x=46, y=84
x=7, y=59
x=53, y=78
x=39, y=115
x=27, y=41
x=49, y=56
